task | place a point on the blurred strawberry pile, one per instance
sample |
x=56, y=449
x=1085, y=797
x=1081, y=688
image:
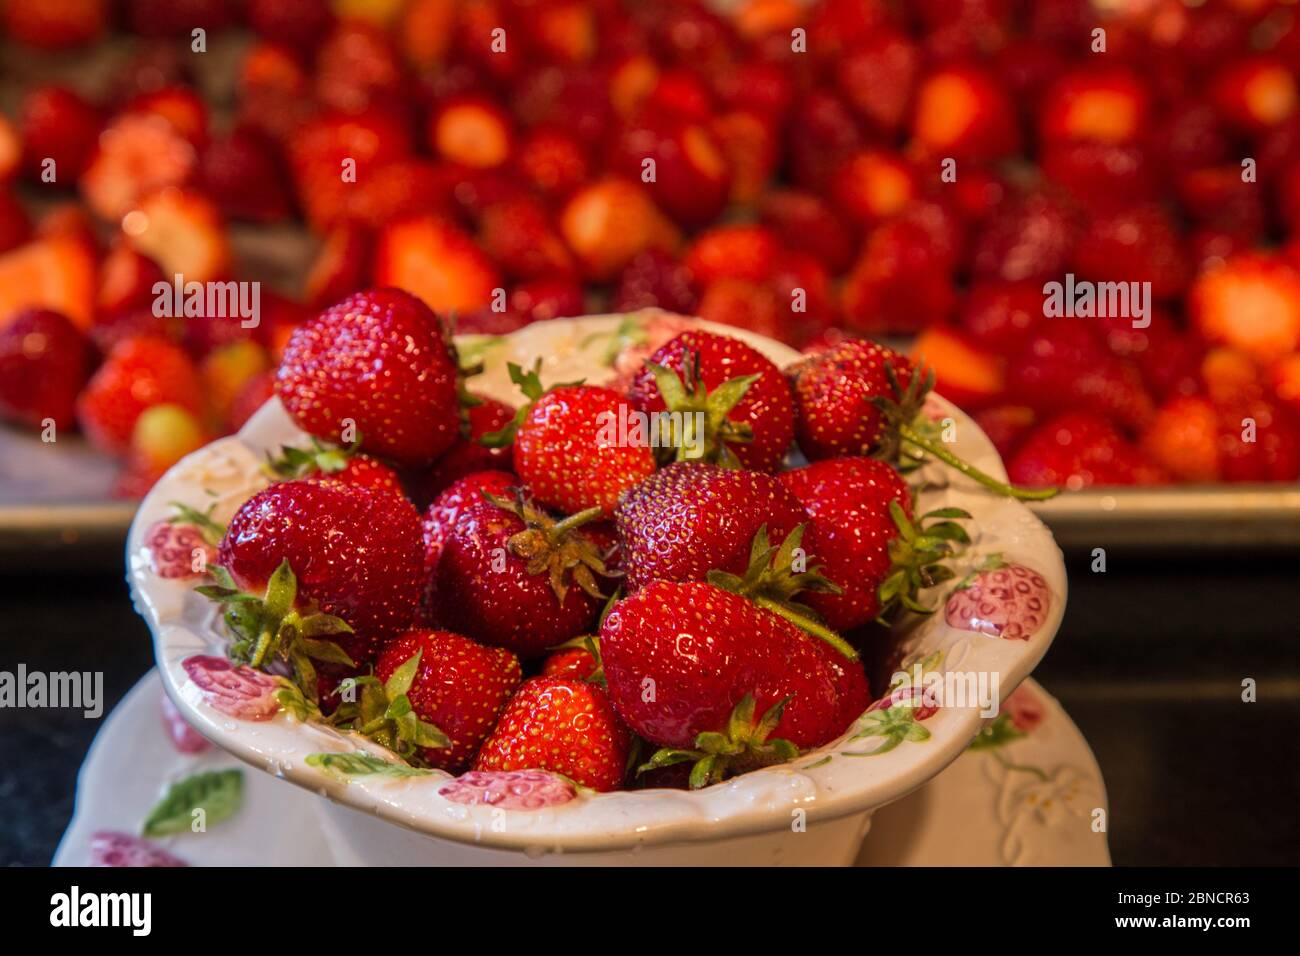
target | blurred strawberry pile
x=849, y=167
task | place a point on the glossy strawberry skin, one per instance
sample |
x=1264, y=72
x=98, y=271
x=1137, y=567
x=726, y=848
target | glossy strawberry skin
x=560, y=455
x=690, y=518
x=848, y=534
x=704, y=649
x=467, y=454
x=356, y=553
x=443, y=513
x=509, y=607
x=1080, y=449
x=377, y=358
x=460, y=687
x=563, y=725
x=833, y=392
x=368, y=472
x=767, y=405
x=44, y=361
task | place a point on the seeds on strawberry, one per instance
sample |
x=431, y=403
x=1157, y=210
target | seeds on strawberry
x=745, y=404
x=567, y=446
x=691, y=517
x=455, y=684
x=563, y=725
x=355, y=552
x=378, y=362
x=511, y=576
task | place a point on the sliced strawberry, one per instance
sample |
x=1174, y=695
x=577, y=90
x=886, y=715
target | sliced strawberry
x=56, y=274
x=437, y=262
x=183, y=231
x=138, y=154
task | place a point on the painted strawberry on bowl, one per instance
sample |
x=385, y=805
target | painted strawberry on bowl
x=646, y=649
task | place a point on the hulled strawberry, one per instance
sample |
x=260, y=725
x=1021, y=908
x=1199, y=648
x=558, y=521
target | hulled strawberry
x=450, y=683
x=692, y=517
x=575, y=446
x=861, y=398
x=734, y=391
x=511, y=576
x=709, y=674
x=849, y=532
x=337, y=464
x=564, y=725
x=353, y=552
x=376, y=361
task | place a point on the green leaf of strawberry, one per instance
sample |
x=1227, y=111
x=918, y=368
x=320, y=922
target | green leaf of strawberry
x=744, y=746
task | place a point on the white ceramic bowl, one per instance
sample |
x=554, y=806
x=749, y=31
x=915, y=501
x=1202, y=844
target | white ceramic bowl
x=813, y=810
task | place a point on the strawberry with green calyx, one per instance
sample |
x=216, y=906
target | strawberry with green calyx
x=512, y=576
x=746, y=744
x=270, y=627
x=739, y=395
x=861, y=398
x=689, y=404
x=331, y=461
x=771, y=582
x=569, y=448
x=530, y=386
x=907, y=428
x=917, y=555
x=385, y=715
x=550, y=547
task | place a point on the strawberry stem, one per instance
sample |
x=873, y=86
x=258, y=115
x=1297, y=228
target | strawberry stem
x=913, y=437
x=809, y=625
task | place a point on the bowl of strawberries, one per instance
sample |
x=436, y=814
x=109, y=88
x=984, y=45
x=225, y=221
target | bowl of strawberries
x=619, y=589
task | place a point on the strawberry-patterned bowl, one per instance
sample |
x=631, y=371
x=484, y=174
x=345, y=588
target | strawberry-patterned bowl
x=993, y=622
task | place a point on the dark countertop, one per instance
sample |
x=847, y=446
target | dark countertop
x=1149, y=663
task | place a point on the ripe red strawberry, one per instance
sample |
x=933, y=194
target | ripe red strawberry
x=468, y=454
x=336, y=464
x=139, y=372
x=964, y=112
x=243, y=174
x=44, y=362
x=511, y=576
x=377, y=360
x=1138, y=244
x=733, y=252
x=1080, y=449
x=1064, y=365
x=1026, y=239
x=1250, y=302
x=692, y=517
x=355, y=553
x=1258, y=441
x=902, y=280
x=654, y=279
x=57, y=24
x=860, y=398
x=681, y=657
x=58, y=124
x=518, y=235
x=807, y=224
x=849, y=532
x=834, y=396
x=575, y=662
x=998, y=315
x=443, y=513
x=571, y=448
x=456, y=685
x=747, y=409
x=563, y=725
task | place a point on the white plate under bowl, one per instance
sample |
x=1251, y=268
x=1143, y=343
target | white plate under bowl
x=831, y=797
x=976, y=813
